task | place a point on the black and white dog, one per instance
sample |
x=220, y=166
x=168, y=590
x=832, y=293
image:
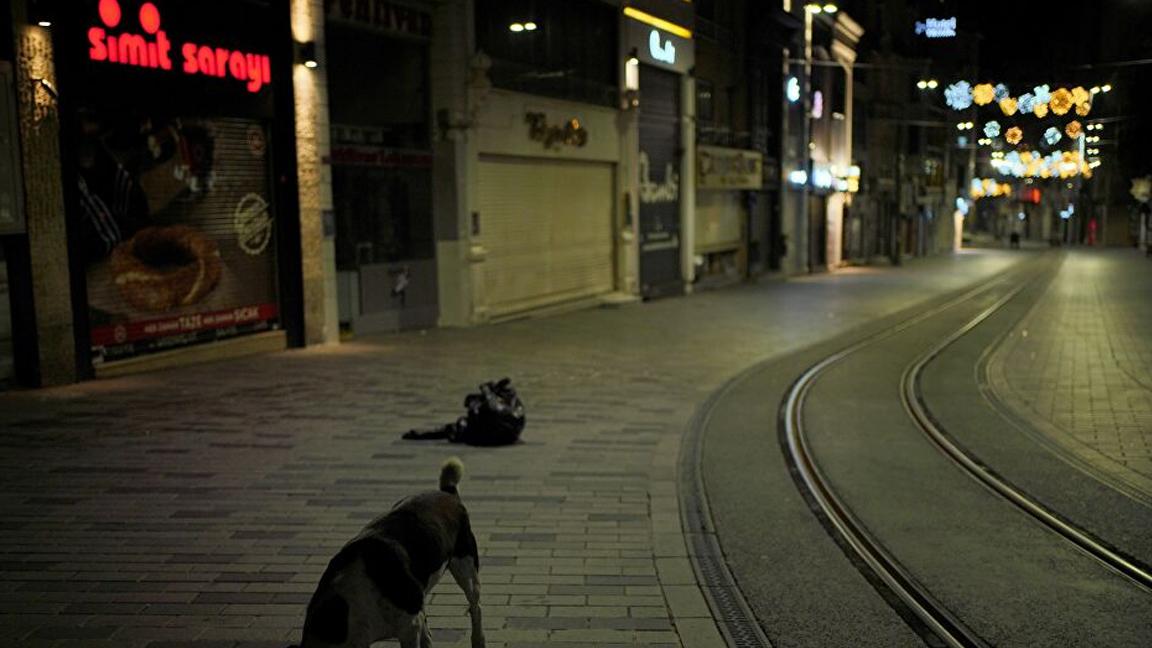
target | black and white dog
x=375, y=587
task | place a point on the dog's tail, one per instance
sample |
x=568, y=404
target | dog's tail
x=450, y=475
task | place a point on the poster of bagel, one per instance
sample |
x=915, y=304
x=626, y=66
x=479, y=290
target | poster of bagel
x=177, y=226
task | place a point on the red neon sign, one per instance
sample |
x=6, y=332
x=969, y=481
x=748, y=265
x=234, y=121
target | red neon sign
x=153, y=51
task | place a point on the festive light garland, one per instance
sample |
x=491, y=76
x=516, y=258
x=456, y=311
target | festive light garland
x=983, y=94
x=988, y=188
x=1014, y=135
x=1058, y=164
x=962, y=95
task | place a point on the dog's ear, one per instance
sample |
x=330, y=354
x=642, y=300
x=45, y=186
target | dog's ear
x=328, y=620
x=388, y=570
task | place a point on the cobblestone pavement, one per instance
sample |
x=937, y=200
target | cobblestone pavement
x=1079, y=366
x=198, y=506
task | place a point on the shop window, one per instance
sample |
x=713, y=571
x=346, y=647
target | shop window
x=379, y=103
x=381, y=84
x=570, y=52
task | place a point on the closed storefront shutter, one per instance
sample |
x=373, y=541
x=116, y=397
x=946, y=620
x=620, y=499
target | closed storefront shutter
x=547, y=225
x=719, y=221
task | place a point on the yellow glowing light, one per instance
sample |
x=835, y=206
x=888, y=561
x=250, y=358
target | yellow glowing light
x=1080, y=95
x=1013, y=135
x=658, y=23
x=983, y=94
x=1073, y=129
x=1040, y=110
x=1008, y=105
x=1083, y=109
x=1061, y=101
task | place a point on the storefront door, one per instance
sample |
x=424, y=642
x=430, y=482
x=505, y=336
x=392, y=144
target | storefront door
x=659, y=183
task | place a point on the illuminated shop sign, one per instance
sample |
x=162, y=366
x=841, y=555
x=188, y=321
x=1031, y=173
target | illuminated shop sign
x=151, y=48
x=793, y=89
x=570, y=133
x=664, y=52
x=936, y=27
x=659, y=42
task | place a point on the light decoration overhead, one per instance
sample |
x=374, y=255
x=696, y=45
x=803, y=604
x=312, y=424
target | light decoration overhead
x=988, y=188
x=1067, y=212
x=983, y=94
x=1052, y=136
x=1073, y=129
x=958, y=95
x=1061, y=102
x=961, y=95
x=1014, y=135
x=992, y=129
x=1027, y=103
x=1058, y=164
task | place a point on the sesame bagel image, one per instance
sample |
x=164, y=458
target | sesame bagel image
x=164, y=267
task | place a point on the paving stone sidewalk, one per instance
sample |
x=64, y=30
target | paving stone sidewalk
x=1079, y=366
x=198, y=506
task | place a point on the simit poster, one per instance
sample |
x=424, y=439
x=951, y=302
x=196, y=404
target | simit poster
x=177, y=229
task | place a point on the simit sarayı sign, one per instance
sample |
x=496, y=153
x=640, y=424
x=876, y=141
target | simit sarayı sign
x=146, y=45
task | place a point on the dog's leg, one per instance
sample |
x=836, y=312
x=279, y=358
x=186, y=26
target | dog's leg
x=468, y=578
x=409, y=632
x=425, y=633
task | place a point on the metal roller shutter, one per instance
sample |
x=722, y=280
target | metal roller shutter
x=547, y=225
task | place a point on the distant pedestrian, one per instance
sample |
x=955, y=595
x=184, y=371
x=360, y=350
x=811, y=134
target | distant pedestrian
x=1014, y=240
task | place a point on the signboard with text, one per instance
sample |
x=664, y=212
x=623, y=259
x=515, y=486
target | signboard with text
x=660, y=48
x=728, y=168
x=200, y=56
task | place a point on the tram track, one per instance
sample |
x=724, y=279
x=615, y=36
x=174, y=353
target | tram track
x=935, y=623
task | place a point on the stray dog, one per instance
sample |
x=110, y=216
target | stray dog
x=375, y=587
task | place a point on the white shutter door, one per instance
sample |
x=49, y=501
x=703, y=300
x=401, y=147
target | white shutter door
x=547, y=225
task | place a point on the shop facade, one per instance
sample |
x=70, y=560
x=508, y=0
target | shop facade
x=381, y=164
x=545, y=182
x=161, y=223
x=659, y=49
x=724, y=176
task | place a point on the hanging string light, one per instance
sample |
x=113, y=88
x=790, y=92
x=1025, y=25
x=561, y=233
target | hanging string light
x=1014, y=135
x=1008, y=106
x=983, y=94
x=959, y=95
x=1073, y=129
x=1061, y=102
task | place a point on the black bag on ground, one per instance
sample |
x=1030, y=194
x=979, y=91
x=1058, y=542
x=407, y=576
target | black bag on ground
x=495, y=416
